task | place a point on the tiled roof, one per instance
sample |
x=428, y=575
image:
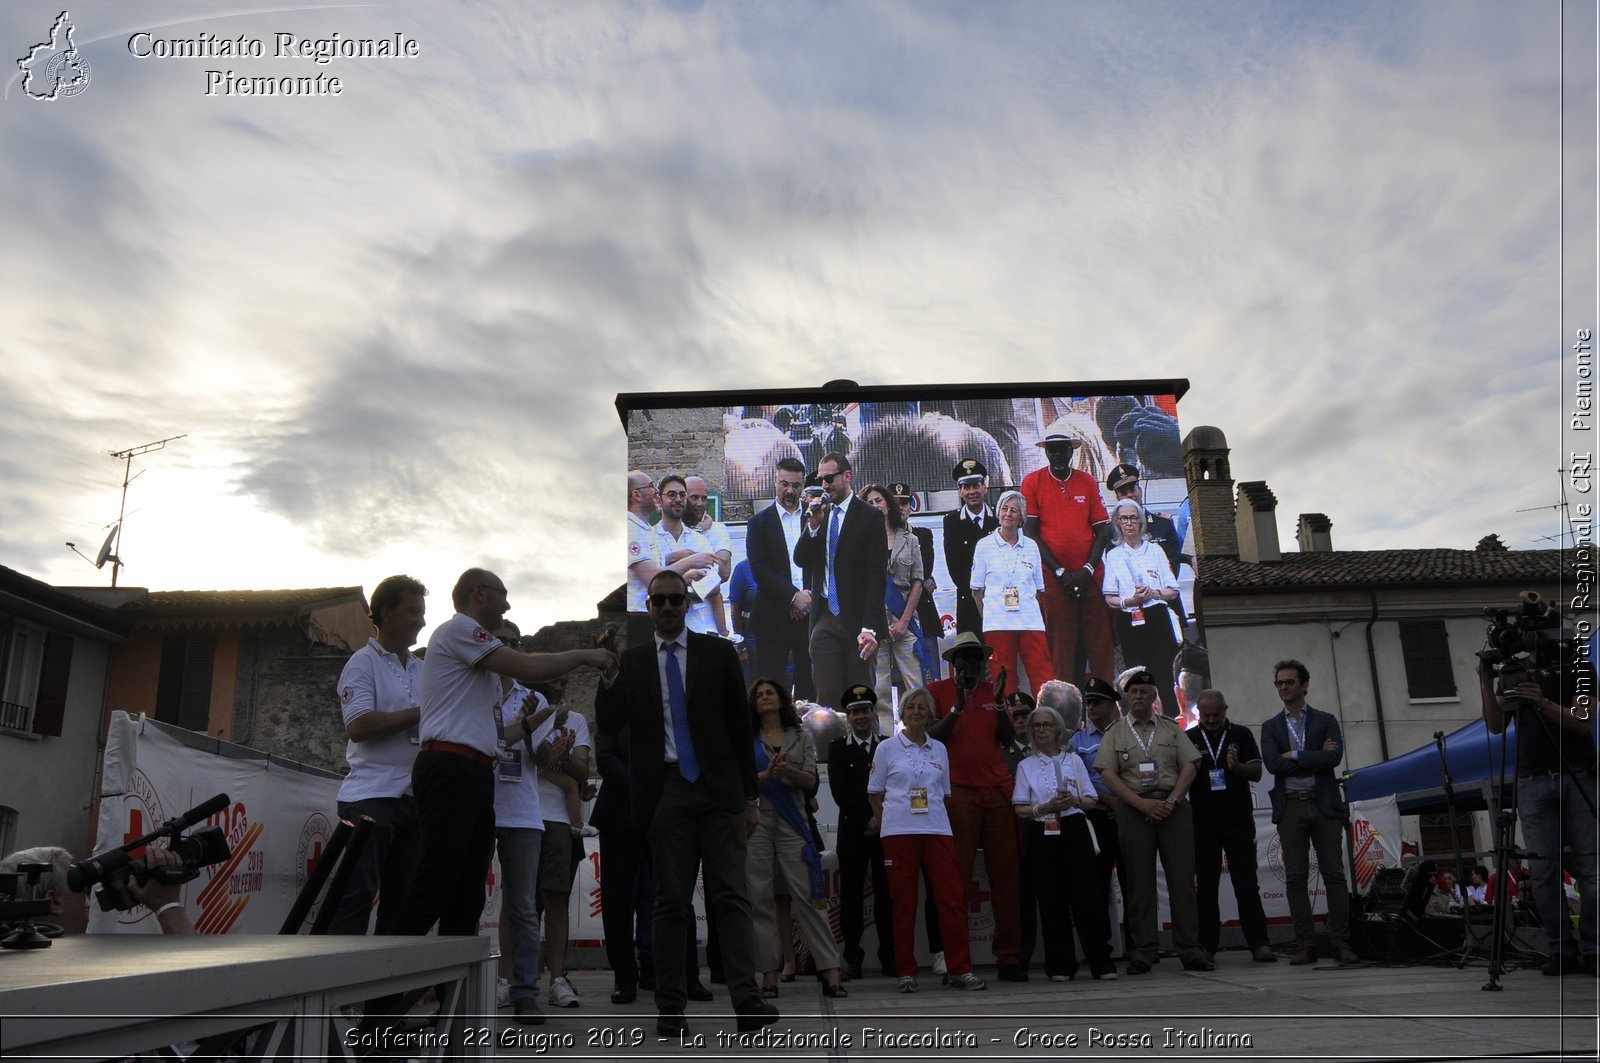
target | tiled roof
x=1346, y=568
x=247, y=601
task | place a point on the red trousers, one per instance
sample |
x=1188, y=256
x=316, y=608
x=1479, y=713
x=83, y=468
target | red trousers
x=983, y=816
x=904, y=858
x=1031, y=646
x=1064, y=617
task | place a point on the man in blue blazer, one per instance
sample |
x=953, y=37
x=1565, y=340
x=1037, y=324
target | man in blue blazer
x=1300, y=747
x=681, y=695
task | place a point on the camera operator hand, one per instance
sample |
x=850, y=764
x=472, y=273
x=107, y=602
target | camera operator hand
x=158, y=896
x=1576, y=718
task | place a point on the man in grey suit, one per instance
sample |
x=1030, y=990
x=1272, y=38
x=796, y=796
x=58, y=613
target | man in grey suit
x=682, y=697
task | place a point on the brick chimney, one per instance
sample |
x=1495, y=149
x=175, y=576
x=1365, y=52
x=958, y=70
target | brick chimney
x=1210, y=482
x=1315, y=533
x=1255, y=523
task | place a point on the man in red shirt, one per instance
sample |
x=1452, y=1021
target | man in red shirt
x=973, y=728
x=1068, y=520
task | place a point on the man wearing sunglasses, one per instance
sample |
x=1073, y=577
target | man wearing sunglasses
x=844, y=553
x=681, y=696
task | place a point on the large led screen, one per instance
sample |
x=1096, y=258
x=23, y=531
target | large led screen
x=732, y=476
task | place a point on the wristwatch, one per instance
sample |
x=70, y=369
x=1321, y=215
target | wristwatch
x=1173, y=801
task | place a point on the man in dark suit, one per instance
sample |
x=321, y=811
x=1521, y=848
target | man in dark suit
x=779, y=617
x=844, y=552
x=1300, y=747
x=849, y=765
x=962, y=530
x=681, y=695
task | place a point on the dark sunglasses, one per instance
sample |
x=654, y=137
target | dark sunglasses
x=662, y=600
x=828, y=478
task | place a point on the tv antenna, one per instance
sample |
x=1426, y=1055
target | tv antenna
x=111, y=548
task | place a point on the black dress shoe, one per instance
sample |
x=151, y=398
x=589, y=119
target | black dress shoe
x=671, y=1024
x=1013, y=972
x=1199, y=965
x=852, y=971
x=756, y=1014
x=1136, y=967
x=697, y=991
x=625, y=993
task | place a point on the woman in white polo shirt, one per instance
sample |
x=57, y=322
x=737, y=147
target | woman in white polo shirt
x=1140, y=586
x=1007, y=581
x=909, y=781
x=1053, y=790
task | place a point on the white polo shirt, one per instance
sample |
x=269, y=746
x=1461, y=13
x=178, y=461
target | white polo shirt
x=551, y=800
x=374, y=680
x=641, y=547
x=997, y=565
x=1039, y=778
x=516, y=803
x=900, y=765
x=699, y=617
x=458, y=699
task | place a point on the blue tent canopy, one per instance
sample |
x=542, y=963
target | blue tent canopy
x=1415, y=779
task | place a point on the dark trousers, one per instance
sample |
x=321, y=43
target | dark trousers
x=455, y=800
x=1301, y=828
x=858, y=855
x=835, y=658
x=1150, y=645
x=1219, y=832
x=389, y=860
x=1110, y=859
x=1027, y=899
x=778, y=647
x=692, y=832
x=627, y=903
x=1064, y=874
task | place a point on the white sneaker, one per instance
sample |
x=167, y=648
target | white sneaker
x=908, y=984
x=938, y=964
x=562, y=995
x=502, y=993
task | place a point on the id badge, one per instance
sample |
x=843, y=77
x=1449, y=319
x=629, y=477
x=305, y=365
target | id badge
x=1219, y=779
x=1136, y=617
x=1149, y=774
x=1052, y=825
x=1012, y=598
x=919, y=799
x=510, y=766
x=416, y=734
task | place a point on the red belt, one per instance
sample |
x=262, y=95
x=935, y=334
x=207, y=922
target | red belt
x=481, y=759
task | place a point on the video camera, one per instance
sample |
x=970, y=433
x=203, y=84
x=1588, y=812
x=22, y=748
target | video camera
x=113, y=868
x=1527, y=644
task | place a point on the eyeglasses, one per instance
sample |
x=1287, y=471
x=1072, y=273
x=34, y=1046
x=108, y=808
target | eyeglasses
x=677, y=494
x=1036, y=724
x=792, y=485
x=828, y=477
x=1129, y=517
x=661, y=601
x=1285, y=683
x=492, y=587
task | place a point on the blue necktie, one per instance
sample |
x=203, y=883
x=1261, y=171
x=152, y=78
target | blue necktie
x=688, y=764
x=833, y=548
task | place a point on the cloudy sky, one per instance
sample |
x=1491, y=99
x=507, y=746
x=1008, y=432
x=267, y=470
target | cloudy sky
x=392, y=323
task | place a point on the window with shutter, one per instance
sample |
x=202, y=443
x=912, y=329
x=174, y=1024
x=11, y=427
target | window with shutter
x=1425, y=646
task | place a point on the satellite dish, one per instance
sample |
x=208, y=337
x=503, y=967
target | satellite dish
x=104, y=555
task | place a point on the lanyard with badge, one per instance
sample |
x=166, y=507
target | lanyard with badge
x=917, y=796
x=405, y=676
x=509, y=769
x=1052, y=820
x=1297, y=736
x=1011, y=593
x=1217, y=777
x=1149, y=772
